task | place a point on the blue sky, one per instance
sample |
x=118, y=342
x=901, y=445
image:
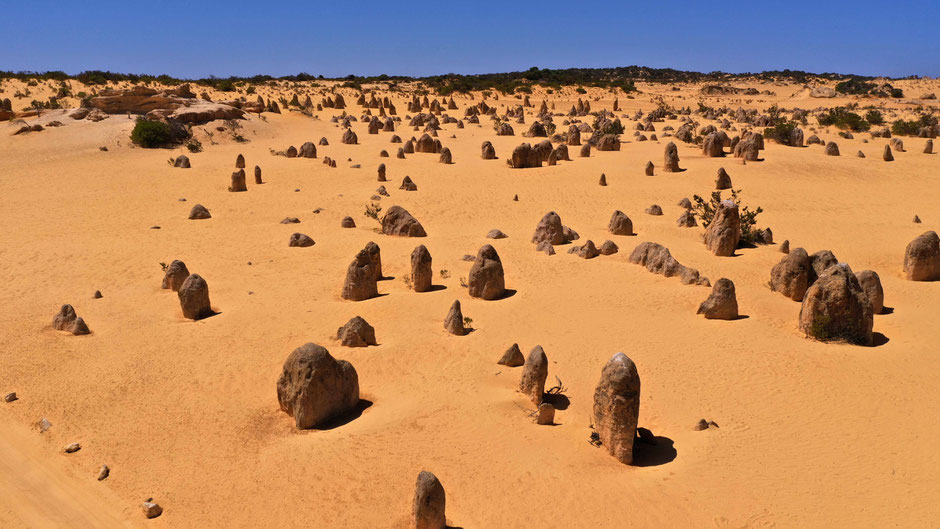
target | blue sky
x=415, y=37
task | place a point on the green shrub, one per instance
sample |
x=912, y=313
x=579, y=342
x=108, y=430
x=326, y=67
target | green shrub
x=705, y=211
x=874, y=117
x=912, y=128
x=151, y=134
x=781, y=133
x=225, y=85
x=843, y=119
x=855, y=87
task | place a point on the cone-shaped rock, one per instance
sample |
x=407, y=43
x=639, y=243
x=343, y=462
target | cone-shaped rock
x=722, y=304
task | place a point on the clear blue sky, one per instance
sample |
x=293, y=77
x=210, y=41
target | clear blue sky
x=415, y=37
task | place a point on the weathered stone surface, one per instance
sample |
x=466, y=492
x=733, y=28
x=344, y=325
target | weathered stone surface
x=397, y=221
x=238, y=182
x=671, y=158
x=871, y=284
x=534, y=375
x=356, y=333
x=175, y=274
x=609, y=248
x=722, y=304
x=588, y=250
x=724, y=232
x=314, y=387
x=67, y=320
x=486, y=280
x=922, y=258
x=300, y=240
x=524, y=156
x=620, y=224
x=421, y=269
x=512, y=357
x=194, y=298
x=427, y=511
x=199, y=212
x=657, y=259
x=835, y=308
x=790, y=276
x=617, y=407
x=361, y=280
x=453, y=322
x=550, y=229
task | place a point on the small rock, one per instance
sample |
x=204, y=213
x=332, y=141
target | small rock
x=44, y=425
x=72, y=448
x=97, y=295
x=546, y=414
x=702, y=424
x=104, y=473
x=290, y=220
x=496, y=234
x=512, y=357
x=10, y=397
x=151, y=509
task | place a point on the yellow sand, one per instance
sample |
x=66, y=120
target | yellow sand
x=811, y=434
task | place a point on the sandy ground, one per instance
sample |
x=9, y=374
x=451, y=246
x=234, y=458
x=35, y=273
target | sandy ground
x=811, y=434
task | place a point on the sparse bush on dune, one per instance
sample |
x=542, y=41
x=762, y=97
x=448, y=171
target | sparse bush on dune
x=781, y=133
x=912, y=128
x=152, y=134
x=874, y=117
x=844, y=119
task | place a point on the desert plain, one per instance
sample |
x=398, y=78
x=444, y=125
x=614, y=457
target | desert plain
x=805, y=433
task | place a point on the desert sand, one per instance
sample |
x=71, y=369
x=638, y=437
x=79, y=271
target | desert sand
x=810, y=434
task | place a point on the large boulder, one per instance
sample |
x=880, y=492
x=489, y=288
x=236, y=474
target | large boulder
x=524, y=156
x=722, y=304
x=427, y=510
x=194, y=298
x=534, y=375
x=314, y=387
x=922, y=258
x=835, y=308
x=486, y=275
x=871, y=284
x=620, y=224
x=724, y=231
x=361, y=279
x=550, y=229
x=397, y=221
x=617, y=407
x=790, y=276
